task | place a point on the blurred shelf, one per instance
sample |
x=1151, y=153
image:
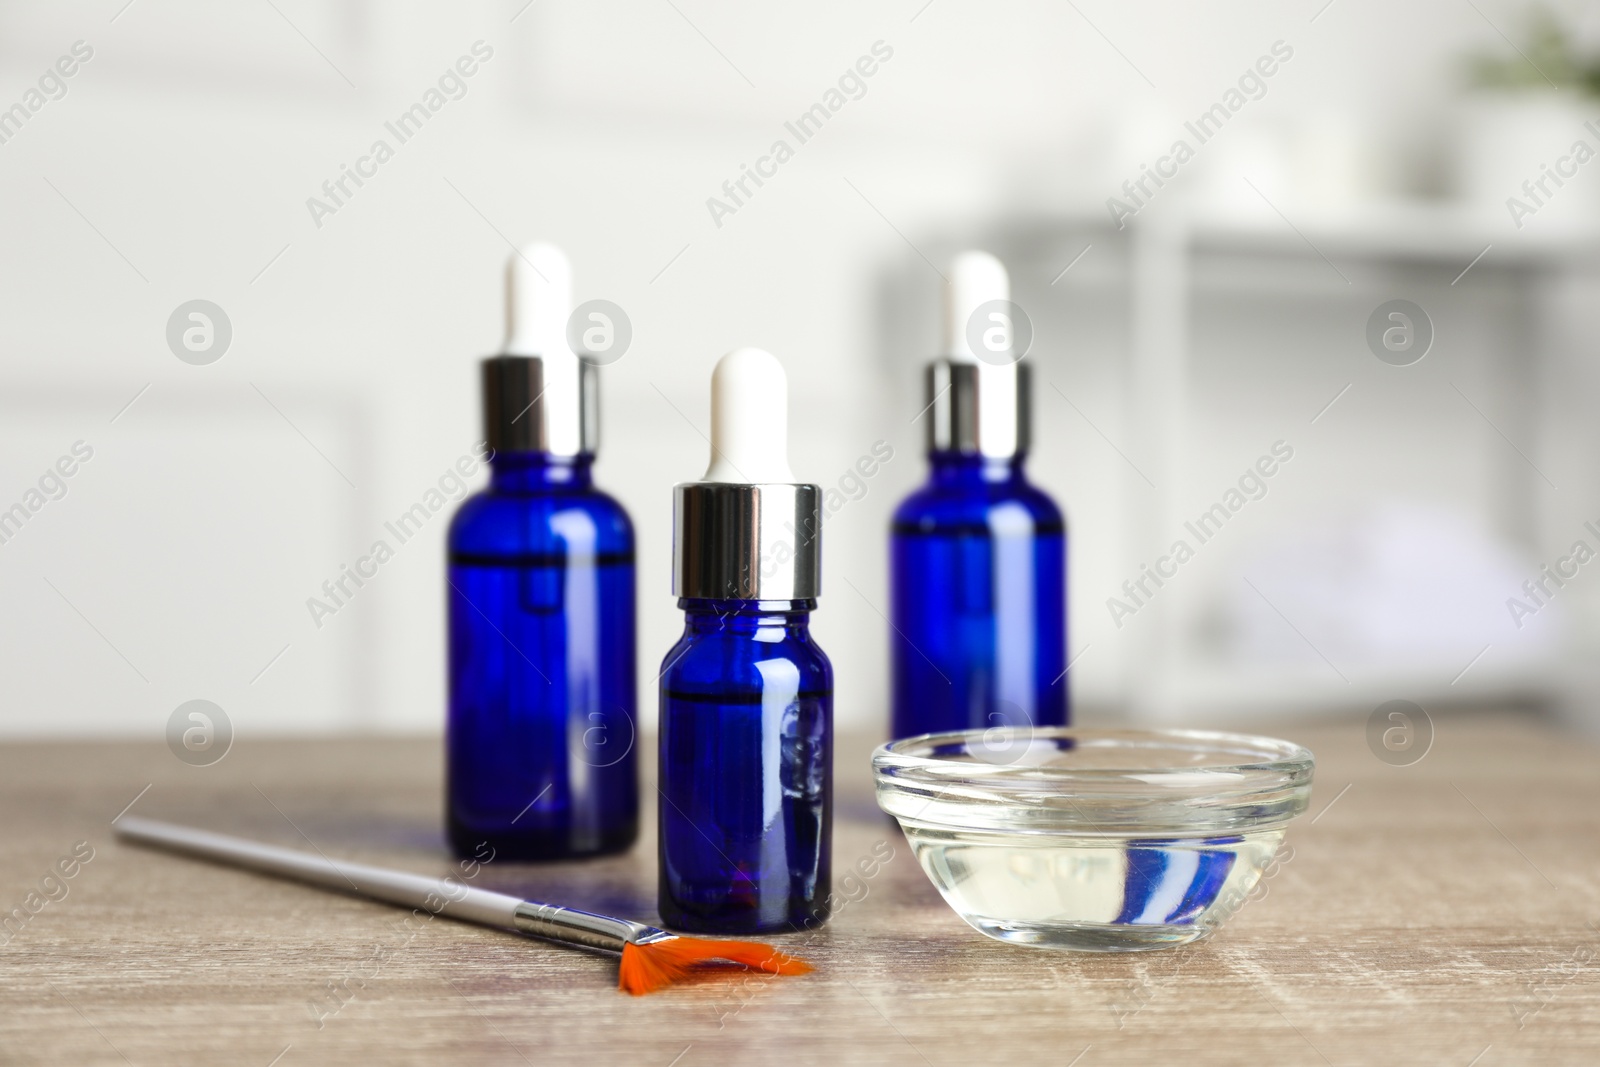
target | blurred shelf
x=1429, y=230
x=1171, y=258
x=1416, y=230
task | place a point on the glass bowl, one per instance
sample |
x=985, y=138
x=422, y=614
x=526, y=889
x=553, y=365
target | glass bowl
x=1102, y=840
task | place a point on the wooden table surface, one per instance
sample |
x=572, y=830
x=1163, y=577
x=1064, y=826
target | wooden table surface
x=1442, y=913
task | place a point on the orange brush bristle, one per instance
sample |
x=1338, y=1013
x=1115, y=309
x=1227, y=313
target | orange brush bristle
x=649, y=967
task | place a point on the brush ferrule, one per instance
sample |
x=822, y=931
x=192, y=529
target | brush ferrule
x=582, y=927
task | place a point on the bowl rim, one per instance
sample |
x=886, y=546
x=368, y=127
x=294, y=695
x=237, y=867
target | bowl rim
x=1268, y=782
x=1277, y=753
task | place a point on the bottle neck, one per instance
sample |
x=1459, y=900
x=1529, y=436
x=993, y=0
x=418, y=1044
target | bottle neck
x=754, y=617
x=530, y=471
x=966, y=468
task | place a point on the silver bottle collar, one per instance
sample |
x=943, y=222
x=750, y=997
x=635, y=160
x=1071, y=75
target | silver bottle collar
x=747, y=542
x=523, y=411
x=979, y=408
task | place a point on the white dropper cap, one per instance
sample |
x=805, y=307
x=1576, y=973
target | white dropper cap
x=975, y=278
x=749, y=419
x=538, y=300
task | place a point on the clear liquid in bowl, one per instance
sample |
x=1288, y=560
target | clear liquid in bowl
x=1096, y=892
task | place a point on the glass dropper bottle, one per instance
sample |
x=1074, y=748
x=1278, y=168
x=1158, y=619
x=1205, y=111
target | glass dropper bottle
x=540, y=759
x=746, y=695
x=978, y=554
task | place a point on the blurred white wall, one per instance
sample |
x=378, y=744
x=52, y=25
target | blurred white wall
x=178, y=164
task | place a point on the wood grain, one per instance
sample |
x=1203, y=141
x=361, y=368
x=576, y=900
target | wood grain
x=1428, y=914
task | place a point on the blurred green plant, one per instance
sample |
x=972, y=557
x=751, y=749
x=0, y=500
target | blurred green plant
x=1548, y=58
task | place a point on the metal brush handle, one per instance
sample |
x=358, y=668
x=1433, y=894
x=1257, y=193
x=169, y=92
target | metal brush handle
x=583, y=927
x=437, y=896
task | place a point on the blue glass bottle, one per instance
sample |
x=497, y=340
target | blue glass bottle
x=746, y=769
x=746, y=782
x=978, y=584
x=540, y=760
x=542, y=678
x=978, y=555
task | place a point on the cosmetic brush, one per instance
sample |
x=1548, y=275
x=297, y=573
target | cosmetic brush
x=652, y=958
